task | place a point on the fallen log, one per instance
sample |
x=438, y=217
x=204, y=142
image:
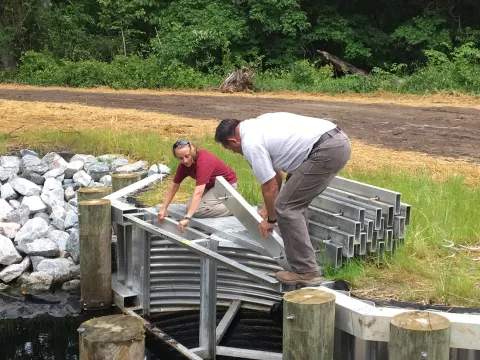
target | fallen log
x=341, y=65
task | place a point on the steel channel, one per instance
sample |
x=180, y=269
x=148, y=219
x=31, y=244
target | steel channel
x=208, y=303
x=388, y=239
x=368, y=191
x=405, y=211
x=121, y=255
x=336, y=236
x=368, y=228
x=380, y=251
x=227, y=319
x=381, y=231
x=333, y=254
x=387, y=209
x=363, y=243
x=141, y=266
x=339, y=207
x=399, y=227
x=329, y=219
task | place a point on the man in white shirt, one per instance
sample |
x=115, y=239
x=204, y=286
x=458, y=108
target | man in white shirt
x=311, y=151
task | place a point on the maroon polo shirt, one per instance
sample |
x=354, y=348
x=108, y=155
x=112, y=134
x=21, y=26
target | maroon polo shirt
x=204, y=170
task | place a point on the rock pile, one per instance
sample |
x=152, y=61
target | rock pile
x=39, y=242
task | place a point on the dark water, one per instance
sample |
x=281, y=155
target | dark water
x=46, y=337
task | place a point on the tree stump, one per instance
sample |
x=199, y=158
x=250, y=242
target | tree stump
x=89, y=193
x=419, y=335
x=308, y=325
x=115, y=337
x=119, y=181
x=94, y=225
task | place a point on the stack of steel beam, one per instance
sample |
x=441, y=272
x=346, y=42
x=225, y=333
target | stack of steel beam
x=354, y=219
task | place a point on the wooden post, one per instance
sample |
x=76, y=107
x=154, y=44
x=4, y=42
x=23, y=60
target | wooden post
x=112, y=337
x=119, y=181
x=419, y=335
x=89, y=193
x=308, y=325
x=94, y=225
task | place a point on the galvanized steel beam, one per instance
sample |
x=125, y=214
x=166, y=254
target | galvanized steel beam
x=335, y=221
x=339, y=207
x=335, y=236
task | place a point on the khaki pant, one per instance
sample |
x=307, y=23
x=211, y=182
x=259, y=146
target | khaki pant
x=210, y=206
x=308, y=181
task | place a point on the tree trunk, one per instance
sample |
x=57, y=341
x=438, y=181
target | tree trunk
x=419, y=335
x=119, y=181
x=115, y=337
x=94, y=223
x=90, y=193
x=308, y=325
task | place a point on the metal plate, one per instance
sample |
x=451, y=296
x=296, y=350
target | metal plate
x=249, y=218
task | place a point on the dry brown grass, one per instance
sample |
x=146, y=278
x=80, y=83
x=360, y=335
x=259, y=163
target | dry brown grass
x=27, y=116
x=435, y=100
x=20, y=116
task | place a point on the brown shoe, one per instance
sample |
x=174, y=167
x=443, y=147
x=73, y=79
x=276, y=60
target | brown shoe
x=291, y=278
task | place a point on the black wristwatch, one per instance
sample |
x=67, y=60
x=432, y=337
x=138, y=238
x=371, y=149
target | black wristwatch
x=187, y=218
x=271, y=221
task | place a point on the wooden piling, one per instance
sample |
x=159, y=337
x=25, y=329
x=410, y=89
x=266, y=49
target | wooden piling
x=89, y=193
x=112, y=337
x=94, y=222
x=419, y=335
x=119, y=181
x=308, y=325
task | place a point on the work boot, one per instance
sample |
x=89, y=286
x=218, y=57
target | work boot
x=292, y=278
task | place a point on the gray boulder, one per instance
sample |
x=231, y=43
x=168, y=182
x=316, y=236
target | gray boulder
x=7, y=192
x=71, y=286
x=163, y=169
x=8, y=254
x=107, y=157
x=153, y=170
x=19, y=216
x=82, y=178
x=137, y=166
x=33, y=177
x=98, y=170
x=56, y=172
x=58, y=217
x=35, y=261
x=73, y=246
x=106, y=180
x=71, y=219
x=37, y=281
x=44, y=216
x=40, y=247
x=15, y=204
x=72, y=168
x=9, y=166
x=54, y=161
x=117, y=163
x=5, y=208
x=69, y=193
x=59, y=268
x=73, y=202
x=25, y=187
x=60, y=238
x=51, y=184
x=35, y=204
x=76, y=272
x=84, y=158
x=35, y=228
x=53, y=198
x=25, y=152
x=33, y=164
x=9, y=229
x=12, y=272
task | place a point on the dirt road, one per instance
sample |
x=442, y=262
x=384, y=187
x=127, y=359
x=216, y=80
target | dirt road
x=441, y=131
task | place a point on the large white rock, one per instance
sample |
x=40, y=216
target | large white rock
x=25, y=187
x=82, y=178
x=35, y=204
x=69, y=193
x=10, y=163
x=12, y=272
x=35, y=228
x=41, y=247
x=54, y=173
x=35, y=261
x=60, y=238
x=139, y=165
x=9, y=229
x=117, y=163
x=19, y=216
x=7, y=192
x=37, y=281
x=72, y=168
x=98, y=170
x=53, y=198
x=107, y=157
x=5, y=208
x=58, y=217
x=8, y=254
x=54, y=161
x=153, y=170
x=84, y=158
x=71, y=219
x=59, y=268
x=51, y=184
x=30, y=163
x=106, y=180
x=163, y=169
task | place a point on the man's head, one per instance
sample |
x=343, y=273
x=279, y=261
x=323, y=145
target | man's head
x=228, y=135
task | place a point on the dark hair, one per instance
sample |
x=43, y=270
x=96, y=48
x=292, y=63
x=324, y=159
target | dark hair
x=226, y=129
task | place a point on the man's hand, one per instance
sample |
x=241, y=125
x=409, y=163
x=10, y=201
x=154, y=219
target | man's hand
x=263, y=212
x=264, y=227
x=183, y=224
x=162, y=215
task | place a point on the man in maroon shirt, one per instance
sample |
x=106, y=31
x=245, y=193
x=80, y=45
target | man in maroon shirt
x=204, y=167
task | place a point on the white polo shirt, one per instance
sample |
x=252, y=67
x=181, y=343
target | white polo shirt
x=279, y=141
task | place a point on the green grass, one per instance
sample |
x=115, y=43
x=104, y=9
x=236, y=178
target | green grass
x=421, y=271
